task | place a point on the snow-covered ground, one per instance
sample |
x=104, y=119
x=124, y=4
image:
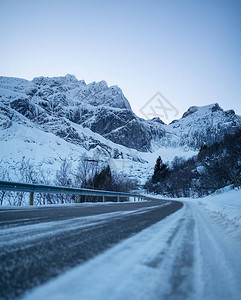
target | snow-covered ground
x=47, y=151
x=192, y=254
x=225, y=209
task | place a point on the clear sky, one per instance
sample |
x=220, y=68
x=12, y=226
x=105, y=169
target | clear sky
x=189, y=50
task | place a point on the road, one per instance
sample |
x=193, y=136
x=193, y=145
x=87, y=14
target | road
x=189, y=255
x=37, y=244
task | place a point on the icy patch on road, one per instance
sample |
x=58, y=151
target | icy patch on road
x=20, y=234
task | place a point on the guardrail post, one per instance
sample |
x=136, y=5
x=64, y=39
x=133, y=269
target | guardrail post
x=31, y=196
x=78, y=198
x=118, y=198
x=103, y=198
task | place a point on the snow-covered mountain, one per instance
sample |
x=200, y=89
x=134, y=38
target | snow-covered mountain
x=48, y=119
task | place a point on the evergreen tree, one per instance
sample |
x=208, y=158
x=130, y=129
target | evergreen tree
x=158, y=164
x=160, y=171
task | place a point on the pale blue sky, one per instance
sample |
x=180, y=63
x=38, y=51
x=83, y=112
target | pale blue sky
x=188, y=50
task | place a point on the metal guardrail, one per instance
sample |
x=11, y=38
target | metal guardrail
x=40, y=188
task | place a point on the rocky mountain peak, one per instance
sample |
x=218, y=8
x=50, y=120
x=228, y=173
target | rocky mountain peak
x=59, y=104
x=54, y=81
x=190, y=111
x=207, y=109
x=215, y=107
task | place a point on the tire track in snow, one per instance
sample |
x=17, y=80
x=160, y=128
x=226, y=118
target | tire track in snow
x=219, y=260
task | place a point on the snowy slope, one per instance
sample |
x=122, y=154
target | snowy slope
x=46, y=151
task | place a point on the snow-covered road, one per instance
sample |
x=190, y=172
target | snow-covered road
x=191, y=254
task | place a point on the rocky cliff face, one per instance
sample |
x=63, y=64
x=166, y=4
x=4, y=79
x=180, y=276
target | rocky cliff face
x=56, y=104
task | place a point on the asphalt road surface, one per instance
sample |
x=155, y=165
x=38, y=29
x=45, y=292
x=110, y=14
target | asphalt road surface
x=37, y=244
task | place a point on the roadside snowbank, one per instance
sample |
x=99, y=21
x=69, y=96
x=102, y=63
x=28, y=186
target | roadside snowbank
x=225, y=208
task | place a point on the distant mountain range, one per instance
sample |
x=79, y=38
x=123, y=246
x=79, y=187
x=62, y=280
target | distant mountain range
x=48, y=119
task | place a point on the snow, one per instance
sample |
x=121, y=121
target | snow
x=168, y=154
x=43, y=149
x=144, y=169
x=201, y=169
x=225, y=208
x=47, y=151
x=40, y=142
x=192, y=254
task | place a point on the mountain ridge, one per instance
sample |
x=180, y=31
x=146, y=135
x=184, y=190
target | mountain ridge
x=98, y=119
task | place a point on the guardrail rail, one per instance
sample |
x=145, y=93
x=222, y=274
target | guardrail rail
x=40, y=188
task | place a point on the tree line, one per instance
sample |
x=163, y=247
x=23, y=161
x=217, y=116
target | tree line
x=214, y=167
